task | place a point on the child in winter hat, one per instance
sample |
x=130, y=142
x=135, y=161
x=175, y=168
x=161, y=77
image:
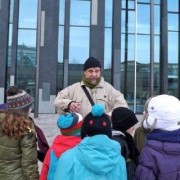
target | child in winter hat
x=123, y=119
x=70, y=124
x=96, y=122
x=123, y=122
x=159, y=159
x=96, y=156
x=70, y=128
x=18, y=99
x=163, y=113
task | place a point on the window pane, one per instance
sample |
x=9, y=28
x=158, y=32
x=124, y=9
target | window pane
x=156, y=1
x=79, y=45
x=108, y=13
x=26, y=60
x=173, y=50
x=11, y=11
x=61, y=11
x=80, y=13
x=123, y=21
x=143, y=49
x=108, y=48
x=173, y=5
x=107, y=54
x=28, y=14
x=131, y=22
x=173, y=22
x=156, y=48
x=143, y=20
x=78, y=52
x=131, y=47
x=27, y=38
x=157, y=19
x=144, y=1
x=60, y=43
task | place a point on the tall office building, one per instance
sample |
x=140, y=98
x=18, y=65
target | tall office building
x=44, y=43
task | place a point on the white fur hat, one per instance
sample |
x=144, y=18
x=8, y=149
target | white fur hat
x=163, y=113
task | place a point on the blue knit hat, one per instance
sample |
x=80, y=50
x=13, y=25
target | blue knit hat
x=96, y=122
x=70, y=124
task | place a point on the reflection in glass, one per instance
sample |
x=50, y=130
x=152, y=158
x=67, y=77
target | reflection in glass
x=108, y=13
x=131, y=49
x=156, y=1
x=11, y=11
x=9, y=44
x=28, y=13
x=26, y=60
x=173, y=5
x=107, y=54
x=60, y=43
x=78, y=52
x=143, y=49
x=173, y=48
x=80, y=13
x=131, y=21
x=122, y=47
x=157, y=19
x=156, y=48
x=143, y=1
x=60, y=59
x=131, y=4
x=61, y=11
x=78, y=45
x=173, y=23
x=123, y=21
x=143, y=19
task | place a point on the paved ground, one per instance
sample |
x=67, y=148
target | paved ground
x=47, y=122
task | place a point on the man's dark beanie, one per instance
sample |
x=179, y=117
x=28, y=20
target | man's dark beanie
x=91, y=62
x=123, y=119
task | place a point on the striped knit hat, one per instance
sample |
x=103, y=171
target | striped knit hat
x=70, y=124
x=18, y=99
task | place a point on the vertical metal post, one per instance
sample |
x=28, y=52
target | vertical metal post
x=152, y=48
x=135, y=57
x=36, y=105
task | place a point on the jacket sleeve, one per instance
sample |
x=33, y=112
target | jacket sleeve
x=116, y=99
x=45, y=166
x=29, y=156
x=147, y=168
x=63, y=99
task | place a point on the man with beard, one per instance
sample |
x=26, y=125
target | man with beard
x=75, y=99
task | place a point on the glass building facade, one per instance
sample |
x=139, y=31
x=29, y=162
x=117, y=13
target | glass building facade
x=44, y=44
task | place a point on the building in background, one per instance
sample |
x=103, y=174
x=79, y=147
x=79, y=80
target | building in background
x=44, y=43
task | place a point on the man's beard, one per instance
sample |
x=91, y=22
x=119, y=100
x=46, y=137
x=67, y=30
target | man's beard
x=93, y=81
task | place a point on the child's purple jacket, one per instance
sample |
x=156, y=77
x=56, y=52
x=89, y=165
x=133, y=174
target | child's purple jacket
x=160, y=158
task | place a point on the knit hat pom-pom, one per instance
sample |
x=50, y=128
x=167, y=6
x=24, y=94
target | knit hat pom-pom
x=13, y=90
x=64, y=121
x=97, y=110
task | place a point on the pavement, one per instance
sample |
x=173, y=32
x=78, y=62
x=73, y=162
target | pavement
x=47, y=122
